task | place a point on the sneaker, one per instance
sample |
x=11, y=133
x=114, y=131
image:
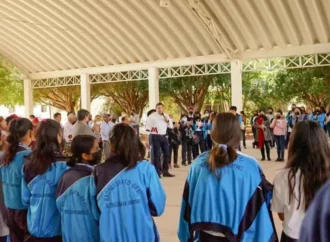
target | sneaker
x=263, y=159
x=278, y=159
x=176, y=166
x=184, y=164
x=269, y=159
x=167, y=174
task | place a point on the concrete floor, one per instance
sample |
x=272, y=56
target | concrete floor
x=168, y=222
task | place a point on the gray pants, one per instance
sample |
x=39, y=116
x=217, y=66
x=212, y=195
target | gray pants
x=106, y=148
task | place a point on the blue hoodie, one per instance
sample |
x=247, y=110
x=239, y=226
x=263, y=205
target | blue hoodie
x=316, y=224
x=77, y=209
x=240, y=211
x=11, y=177
x=127, y=201
x=39, y=195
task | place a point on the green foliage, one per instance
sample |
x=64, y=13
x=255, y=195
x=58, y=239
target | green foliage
x=310, y=85
x=187, y=91
x=11, y=91
x=125, y=95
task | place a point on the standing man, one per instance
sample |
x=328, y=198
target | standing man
x=191, y=112
x=135, y=121
x=106, y=128
x=233, y=110
x=81, y=127
x=58, y=117
x=158, y=123
x=68, y=128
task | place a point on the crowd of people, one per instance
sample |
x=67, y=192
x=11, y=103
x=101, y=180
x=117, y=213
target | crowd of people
x=52, y=194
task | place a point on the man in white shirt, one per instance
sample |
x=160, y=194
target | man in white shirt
x=157, y=124
x=135, y=121
x=106, y=128
x=68, y=127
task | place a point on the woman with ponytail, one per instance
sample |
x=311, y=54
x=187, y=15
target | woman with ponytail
x=41, y=174
x=226, y=197
x=18, y=141
x=73, y=193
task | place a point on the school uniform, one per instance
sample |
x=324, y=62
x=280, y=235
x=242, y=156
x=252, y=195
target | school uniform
x=174, y=140
x=281, y=203
x=316, y=224
x=11, y=178
x=158, y=134
x=127, y=200
x=39, y=195
x=199, y=133
x=77, y=209
x=232, y=207
x=187, y=135
x=320, y=118
x=208, y=128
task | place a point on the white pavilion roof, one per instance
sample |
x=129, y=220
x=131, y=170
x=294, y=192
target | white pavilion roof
x=63, y=37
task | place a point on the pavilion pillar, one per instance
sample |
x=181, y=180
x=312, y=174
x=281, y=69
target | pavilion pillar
x=153, y=79
x=236, y=85
x=85, y=90
x=28, y=98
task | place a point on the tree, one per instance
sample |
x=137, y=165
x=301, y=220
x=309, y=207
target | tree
x=63, y=98
x=11, y=91
x=310, y=85
x=187, y=91
x=127, y=95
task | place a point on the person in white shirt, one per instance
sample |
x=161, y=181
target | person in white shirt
x=157, y=124
x=68, y=127
x=135, y=121
x=308, y=168
x=106, y=128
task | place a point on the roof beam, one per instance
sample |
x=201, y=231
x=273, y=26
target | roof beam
x=260, y=54
x=210, y=24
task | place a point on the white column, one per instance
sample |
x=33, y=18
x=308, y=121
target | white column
x=153, y=87
x=236, y=85
x=28, y=97
x=85, y=90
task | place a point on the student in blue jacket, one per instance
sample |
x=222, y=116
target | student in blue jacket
x=316, y=224
x=226, y=197
x=73, y=193
x=41, y=174
x=128, y=190
x=18, y=142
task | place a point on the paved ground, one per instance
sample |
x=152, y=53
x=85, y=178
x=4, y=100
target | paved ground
x=168, y=222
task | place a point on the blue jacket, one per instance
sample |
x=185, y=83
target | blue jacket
x=39, y=194
x=239, y=119
x=320, y=119
x=127, y=200
x=77, y=209
x=237, y=205
x=11, y=177
x=316, y=224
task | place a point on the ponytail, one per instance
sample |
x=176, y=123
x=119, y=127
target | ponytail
x=17, y=130
x=220, y=156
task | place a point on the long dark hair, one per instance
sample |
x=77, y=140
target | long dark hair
x=80, y=144
x=309, y=153
x=47, y=148
x=226, y=132
x=125, y=143
x=17, y=130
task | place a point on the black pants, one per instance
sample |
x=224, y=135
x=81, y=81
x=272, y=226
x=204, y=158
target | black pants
x=205, y=237
x=186, y=151
x=243, y=137
x=160, y=144
x=280, y=145
x=285, y=238
x=209, y=143
x=287, y=140
x=174, y=148
x=200, y=146
x=267, y=146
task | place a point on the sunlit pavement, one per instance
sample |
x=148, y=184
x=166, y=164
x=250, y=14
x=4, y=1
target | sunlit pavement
x=168, y=222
